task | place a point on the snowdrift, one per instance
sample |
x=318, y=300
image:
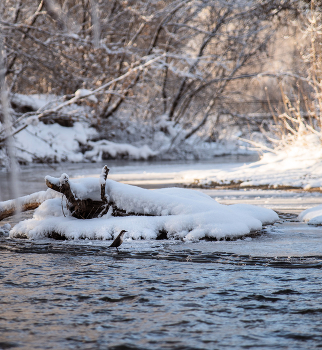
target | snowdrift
x=313, y=216
x=297, y=165
x=179, y=213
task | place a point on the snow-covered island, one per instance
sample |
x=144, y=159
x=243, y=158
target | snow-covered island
x=172, y=213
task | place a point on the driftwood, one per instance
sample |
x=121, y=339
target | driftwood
x=11, y=208
x=79, y=208
x=21, y=204
x=86, y=208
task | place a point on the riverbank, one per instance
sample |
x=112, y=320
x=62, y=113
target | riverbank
x=285, y=170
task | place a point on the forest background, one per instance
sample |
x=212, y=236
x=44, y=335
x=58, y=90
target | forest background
x=186, y=79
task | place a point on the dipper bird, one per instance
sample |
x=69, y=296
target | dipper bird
x=118, y=240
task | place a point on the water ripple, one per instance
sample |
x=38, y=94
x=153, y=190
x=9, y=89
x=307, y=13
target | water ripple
x=185, y=255
x=76, y=295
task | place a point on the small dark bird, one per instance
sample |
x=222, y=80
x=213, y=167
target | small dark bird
x=118, y=240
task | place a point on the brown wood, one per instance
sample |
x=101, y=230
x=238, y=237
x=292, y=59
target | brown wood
x=86, y=208
x=21, y=204
x=104, y=174
x=79, y=208
x=13, y=209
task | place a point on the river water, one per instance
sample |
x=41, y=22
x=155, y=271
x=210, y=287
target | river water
x=255, y=293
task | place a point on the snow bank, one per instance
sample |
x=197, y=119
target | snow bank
x=118, y=149
x=33, y=102
x=313, y=216
x=122, y=136
x=182, y=213
x=41, y=142
x=53, y=142
x=299, y=165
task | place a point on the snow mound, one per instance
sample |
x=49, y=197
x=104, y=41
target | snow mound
x=298, y=165
x=182, y=213
x=53, y=142
x=85, y=92
x=33, y=102
x=313, y=216
x=118, y=149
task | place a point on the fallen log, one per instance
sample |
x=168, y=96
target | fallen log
x=80, y=208
x=86, y=208
x=21, y=204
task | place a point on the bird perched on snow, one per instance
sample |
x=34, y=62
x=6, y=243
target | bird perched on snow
x=118, y=240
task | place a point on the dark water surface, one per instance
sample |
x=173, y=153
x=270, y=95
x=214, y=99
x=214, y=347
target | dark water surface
x=56, y=295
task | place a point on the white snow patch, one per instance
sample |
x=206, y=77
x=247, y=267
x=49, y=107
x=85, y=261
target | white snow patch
x=53, y=142
x=182, y=213
x=37, y=197
x=84, y=92
x=312, y=216
x=34, y=102
x=118, y=149
x=299, y=165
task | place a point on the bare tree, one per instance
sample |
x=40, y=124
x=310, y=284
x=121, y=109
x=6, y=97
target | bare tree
x=199, y=52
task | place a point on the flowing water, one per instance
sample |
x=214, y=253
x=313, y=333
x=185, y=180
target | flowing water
x=255, y=293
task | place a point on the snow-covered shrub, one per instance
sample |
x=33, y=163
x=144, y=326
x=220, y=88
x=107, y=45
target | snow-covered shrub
x=296, y=133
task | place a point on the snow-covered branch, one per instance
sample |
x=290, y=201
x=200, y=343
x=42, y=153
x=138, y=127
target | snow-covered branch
x=77, y=97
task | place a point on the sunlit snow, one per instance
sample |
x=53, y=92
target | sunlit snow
x=299, y=166
x=43, y=140
x=312, y=216
x=184, y=214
